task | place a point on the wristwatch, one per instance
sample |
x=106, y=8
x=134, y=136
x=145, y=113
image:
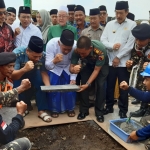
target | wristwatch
x=89, y=84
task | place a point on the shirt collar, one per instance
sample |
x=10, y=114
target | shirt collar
x=29, y=26
x=100, y=27
x=126, y=20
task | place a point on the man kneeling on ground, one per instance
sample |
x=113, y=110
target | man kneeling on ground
x=144, y=97
x=7, y=96
x=30, y=63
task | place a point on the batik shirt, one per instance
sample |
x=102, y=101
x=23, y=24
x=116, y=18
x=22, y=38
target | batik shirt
x=6, y=38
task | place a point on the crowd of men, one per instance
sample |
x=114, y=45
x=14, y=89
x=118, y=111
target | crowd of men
x=59, y=47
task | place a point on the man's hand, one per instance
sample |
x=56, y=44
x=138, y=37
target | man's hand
x=115, y=62
x=129, y=63
x=21, y=107
x=116, y=46
x=133, y=137
x=58, y=58
x=83, y=87
x=124, y=85
x=28, y=66
x=145, y=64
x=76, y=69
x=17, y=31
x=25, y=85
x=72, y=82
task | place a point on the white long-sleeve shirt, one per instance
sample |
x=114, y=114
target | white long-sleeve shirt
x=23, y=38
x=119, y=33
x=53, y=48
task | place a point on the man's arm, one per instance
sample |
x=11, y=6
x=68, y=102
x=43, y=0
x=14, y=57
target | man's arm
x=49, y=64
x=45, y=78
x=128, y=46
x=91, y=78
x=8, y=132
x=144, y=132
x=104, y=38
x=7, y=97
x=94, y=74
x=17, y=74
x=141, y=95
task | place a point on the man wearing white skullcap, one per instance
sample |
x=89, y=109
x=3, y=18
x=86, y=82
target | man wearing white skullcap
x=55, y=31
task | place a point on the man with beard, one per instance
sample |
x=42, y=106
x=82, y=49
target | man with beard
x=11, y=15
x=140, y=54
x=71, y=14
x=53, y=16
x=103, y=15
x=119, y=41
x=7, y=35
x=55, y=31
x=79, y=17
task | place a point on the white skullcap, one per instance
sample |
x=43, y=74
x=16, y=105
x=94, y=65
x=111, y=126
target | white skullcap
x=145, y=22
x=63, y=8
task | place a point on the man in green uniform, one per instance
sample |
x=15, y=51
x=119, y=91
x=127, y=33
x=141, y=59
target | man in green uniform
x=94, y=31
x=55, y=31
x=93, y=58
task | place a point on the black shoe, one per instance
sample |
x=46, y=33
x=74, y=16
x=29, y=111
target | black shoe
x=108, y=110
x=138, y=113
x=100, y=118
x=135, y=101
x=122, y=115
x=82, y=115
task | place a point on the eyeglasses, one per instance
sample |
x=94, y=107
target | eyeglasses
x=3, y=13
x=62, y=17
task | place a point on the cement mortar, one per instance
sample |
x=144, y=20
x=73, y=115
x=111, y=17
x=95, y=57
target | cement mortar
x=128, y=127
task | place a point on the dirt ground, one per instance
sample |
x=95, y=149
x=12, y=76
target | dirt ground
x=76, y=136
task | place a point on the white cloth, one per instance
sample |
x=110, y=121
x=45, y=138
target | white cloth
x=23, y=38
x=52, y=48
x=119, y=33
x=63, y=8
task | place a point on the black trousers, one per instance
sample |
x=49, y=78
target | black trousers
x=123, y=75
x=100, y=92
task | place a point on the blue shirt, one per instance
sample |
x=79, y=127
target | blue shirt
x=22, y=58
x=144, y=97
x=86, y=25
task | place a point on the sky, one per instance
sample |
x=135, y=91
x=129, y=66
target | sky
x=140, y=8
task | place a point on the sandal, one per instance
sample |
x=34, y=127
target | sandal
x=45, y=117
x=25, y=113
x=71, y=113
x=54, y=114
